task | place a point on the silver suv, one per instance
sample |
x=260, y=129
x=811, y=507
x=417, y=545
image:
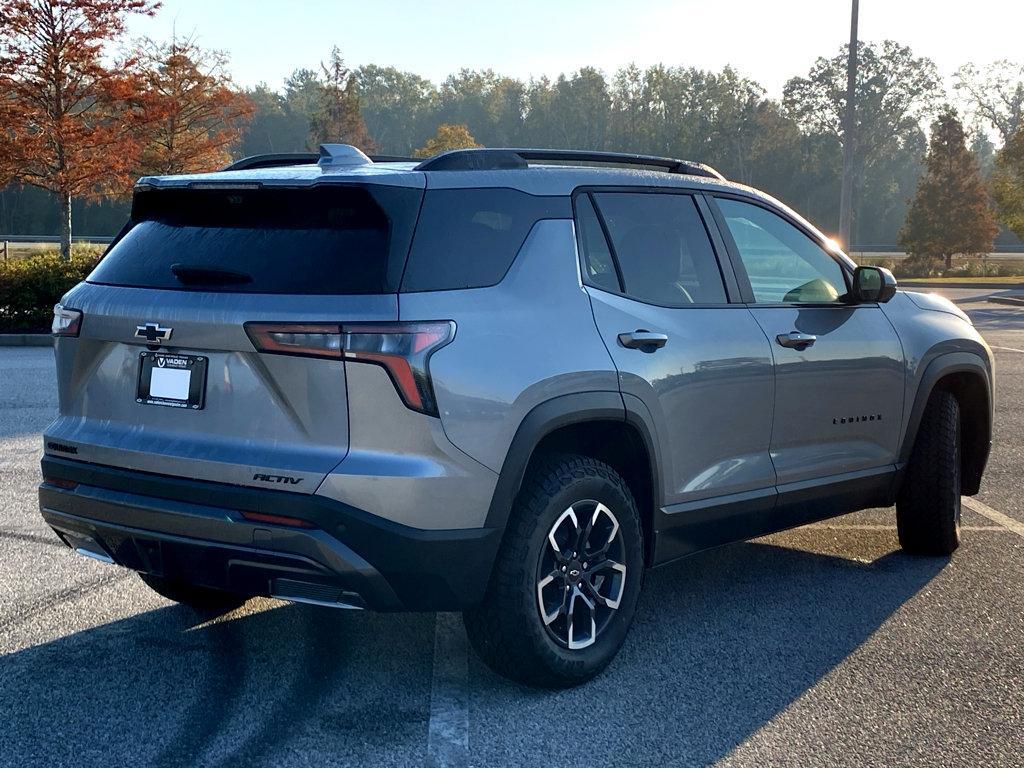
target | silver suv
x=503, y=382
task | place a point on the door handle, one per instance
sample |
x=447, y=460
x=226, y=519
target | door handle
x=642, y=339
x=796, y=340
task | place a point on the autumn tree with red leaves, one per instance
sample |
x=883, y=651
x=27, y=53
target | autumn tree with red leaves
x=197, y=112
x=69, y=121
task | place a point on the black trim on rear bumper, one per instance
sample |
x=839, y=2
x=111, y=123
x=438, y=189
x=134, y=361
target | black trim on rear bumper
x=194, y=531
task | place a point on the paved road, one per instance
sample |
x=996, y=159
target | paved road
x=823, y=645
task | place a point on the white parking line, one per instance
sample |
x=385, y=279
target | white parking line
x=448, y=731
x=888, y=527
x=994, y=515
x=1006, y=349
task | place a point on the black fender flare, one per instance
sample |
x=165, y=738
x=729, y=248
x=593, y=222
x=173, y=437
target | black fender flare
x=558, y=412
x=941, y=366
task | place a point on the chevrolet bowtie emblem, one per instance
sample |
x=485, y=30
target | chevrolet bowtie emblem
x=153, y=332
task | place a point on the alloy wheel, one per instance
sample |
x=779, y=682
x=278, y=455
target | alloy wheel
x=581, y=575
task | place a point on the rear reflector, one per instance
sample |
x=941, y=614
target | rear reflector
x=279, y=520
x=403, y=349
x=65, y=322
x=60, y=483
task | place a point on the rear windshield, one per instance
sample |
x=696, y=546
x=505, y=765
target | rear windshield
x=325, y=240
x=468, y=238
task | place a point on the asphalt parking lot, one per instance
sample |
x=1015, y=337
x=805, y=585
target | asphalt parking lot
x=822, y=645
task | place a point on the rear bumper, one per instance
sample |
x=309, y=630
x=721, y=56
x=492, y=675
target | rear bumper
x=194, y=531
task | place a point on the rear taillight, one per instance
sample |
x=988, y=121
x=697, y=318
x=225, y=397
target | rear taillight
x=403, y=349
x=66, y=322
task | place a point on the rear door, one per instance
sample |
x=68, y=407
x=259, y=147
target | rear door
x=706, y=379
x=164, y=378
x=839, y=368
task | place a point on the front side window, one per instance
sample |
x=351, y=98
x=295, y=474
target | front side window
x=783, y=264
x=663, y=251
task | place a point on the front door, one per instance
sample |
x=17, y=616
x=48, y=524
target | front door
x=839, y=368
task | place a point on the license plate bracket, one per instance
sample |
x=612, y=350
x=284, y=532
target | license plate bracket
x=168, y=379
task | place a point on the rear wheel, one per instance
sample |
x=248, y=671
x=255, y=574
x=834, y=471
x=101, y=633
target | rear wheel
x=206, y=599
x=567, y=578
x=928, y=505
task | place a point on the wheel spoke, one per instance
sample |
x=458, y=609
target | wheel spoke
x=574, y=641
x=547, y=616
x=569, y=514
x=618, y=585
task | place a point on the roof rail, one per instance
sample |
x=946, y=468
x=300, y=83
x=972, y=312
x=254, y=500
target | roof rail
x=495, y=159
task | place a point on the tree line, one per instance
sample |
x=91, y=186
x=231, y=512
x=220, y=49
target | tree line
x=82, y=130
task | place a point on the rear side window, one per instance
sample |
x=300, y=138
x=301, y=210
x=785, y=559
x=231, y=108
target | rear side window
x=663, y=251
x=597, y=257
x=325, y=240
x=468, y=238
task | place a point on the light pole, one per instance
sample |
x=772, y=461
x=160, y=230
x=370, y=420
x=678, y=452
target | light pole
x=849, y=138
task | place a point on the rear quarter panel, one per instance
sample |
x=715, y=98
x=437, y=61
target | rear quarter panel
x=524, y=341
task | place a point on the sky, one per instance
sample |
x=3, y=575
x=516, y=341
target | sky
x=768, y=40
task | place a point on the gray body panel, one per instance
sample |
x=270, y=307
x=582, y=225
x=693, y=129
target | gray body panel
x=263, y=413
x=839, y=403
x=518, y=344
x=401, y=465
x=709, y=390
x=932, y=328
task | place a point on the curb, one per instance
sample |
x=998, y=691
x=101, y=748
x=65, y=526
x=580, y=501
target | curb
x=26, y=340
x=1015, y=301
x=910, y=282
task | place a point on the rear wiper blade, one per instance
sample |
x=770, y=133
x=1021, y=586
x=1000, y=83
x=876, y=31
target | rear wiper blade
x=192, y=275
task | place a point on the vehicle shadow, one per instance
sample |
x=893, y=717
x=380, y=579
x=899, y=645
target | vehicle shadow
x=723, y=642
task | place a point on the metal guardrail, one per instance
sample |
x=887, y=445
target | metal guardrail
x=7, y=240
x=54, y=238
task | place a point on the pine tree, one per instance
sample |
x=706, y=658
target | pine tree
x=950, y=213
x=336, y=115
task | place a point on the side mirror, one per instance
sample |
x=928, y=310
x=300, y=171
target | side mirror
x=872, y=284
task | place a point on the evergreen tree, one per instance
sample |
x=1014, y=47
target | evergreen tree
x=950, y=212
x=336, y=116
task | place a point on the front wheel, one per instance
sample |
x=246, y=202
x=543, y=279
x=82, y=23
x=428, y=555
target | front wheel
x=928, y=505
x=566, y=581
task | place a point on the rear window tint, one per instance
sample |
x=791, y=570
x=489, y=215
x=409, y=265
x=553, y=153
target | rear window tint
x=468, y=238
x=326, y=240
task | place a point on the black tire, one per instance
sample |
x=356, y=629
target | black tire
x=507, y=629
x=204, y=599
x=928, y=504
